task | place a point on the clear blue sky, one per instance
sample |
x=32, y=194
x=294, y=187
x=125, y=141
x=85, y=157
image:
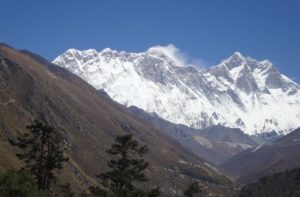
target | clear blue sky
x=209, y=30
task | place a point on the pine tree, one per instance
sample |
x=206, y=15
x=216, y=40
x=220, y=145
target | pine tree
x=126, y=170
x=192, y=189
x=43, y=153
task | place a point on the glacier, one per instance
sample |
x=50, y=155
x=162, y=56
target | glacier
x=240, y=92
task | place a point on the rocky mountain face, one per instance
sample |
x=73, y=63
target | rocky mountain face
x=33, y=88
x=280, y=155
x=240, y=92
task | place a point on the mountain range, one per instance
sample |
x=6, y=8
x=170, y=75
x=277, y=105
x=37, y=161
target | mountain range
x=240, y=92
x=90, y=116
x=34, y=88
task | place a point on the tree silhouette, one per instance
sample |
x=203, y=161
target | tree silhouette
x=126, y=170
x=43, y=153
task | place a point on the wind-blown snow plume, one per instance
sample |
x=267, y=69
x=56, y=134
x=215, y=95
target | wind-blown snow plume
x=182, y=58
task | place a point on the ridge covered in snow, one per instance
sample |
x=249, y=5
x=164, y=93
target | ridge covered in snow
x=240, y=92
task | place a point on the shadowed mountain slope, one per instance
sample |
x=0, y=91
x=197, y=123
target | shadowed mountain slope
x=270, y=158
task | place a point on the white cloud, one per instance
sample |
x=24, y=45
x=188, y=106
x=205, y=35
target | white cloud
x=182, y=58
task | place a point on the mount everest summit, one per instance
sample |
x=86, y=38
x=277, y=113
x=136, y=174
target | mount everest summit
x=240, y=92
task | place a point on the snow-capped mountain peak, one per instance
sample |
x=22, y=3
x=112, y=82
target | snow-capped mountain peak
x=235, y=60
x=240, y=92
